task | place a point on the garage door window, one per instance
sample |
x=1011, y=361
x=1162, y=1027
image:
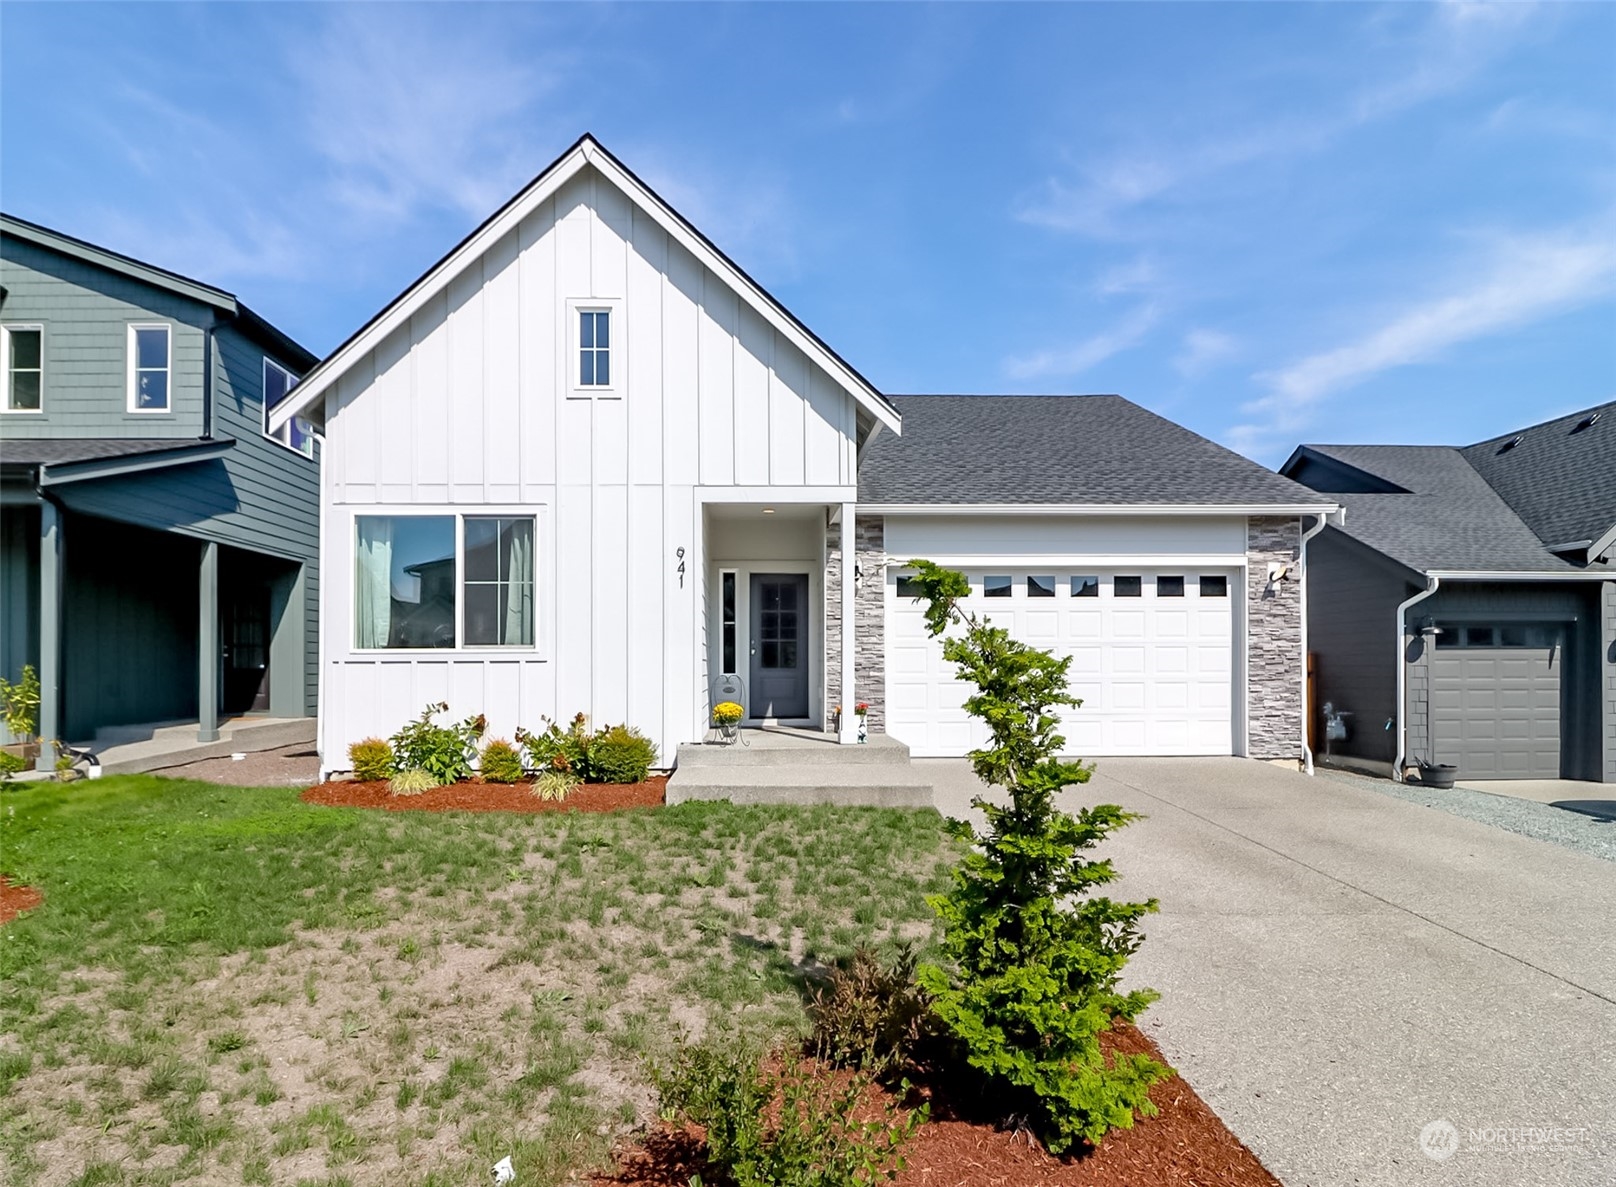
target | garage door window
x=996, y=587
x=1451, y=635
x=1169, y=587
x=1085, y=587
x=1129, y=587
x=1214, y=587
x=1040, y=587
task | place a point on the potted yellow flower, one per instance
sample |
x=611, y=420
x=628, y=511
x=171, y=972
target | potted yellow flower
x=727, y=717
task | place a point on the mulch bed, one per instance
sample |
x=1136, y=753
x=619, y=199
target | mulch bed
x=477, y=796
x=14, y=900
x=1184, y=1145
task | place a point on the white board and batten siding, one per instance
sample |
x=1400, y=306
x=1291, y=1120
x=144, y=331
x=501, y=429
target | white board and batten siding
x=469, y=407
x=1157, y=675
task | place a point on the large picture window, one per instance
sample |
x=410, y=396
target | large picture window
x=426, y=581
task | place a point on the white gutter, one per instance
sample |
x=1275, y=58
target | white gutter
x=1432, y=581
x=1287, y=510
x=1461, y=575
x=1301, y=564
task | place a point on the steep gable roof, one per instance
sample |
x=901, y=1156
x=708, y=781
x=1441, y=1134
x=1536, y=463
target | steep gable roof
x=1559, y=476
x=1078, y=451
x=586, y=152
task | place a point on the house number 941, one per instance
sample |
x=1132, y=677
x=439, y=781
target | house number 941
x=680, y=567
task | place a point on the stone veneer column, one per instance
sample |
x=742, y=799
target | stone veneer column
x=833, y=624
x=870, y=623
x=1273, y=639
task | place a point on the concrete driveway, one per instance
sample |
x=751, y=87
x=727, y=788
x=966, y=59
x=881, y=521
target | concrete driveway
x=1341, y=971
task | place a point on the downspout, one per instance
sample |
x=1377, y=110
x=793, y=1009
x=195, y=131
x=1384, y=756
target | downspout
x=1431, y=584
x=1301, y=558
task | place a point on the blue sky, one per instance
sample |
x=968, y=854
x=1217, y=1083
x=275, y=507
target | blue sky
x=1274, y=223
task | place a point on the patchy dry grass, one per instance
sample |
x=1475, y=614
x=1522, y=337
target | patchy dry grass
x=229, y=986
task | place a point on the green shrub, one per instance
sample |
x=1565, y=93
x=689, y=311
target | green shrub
x=500, y=762
x=870, y=1014
x=620, y=755
x=787, y=1127
x=371, y=760
x=412, y=781
x=11, y=764
x=19, y=704
x=557, y=749
x=443, y=751
x=1037, y=961
x=554, y=785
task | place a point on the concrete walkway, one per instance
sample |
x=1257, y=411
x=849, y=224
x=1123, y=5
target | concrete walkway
x=1340, y=969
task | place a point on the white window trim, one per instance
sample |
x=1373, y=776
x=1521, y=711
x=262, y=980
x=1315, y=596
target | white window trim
x=459, y=514
x=134, y=368
x=263, y=392
x=5, y=367
x=617, y=351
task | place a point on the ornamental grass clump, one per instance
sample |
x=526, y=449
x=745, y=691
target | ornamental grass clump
x=412, y=781
x=1035, y=956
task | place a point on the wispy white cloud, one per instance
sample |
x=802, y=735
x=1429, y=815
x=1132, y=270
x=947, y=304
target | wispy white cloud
x=1455, y=44
x=1067, y=361
x=1204, y=350
x=1137, y=275
x=1516, y=279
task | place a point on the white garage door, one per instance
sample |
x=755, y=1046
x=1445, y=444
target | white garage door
x=1152, y=658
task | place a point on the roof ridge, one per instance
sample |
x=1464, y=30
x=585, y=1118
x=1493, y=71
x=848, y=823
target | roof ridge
x=1542, y=424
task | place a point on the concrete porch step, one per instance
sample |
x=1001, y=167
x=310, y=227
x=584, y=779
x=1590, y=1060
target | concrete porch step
x=760, y=748
x=878, y=785
x=125, y=750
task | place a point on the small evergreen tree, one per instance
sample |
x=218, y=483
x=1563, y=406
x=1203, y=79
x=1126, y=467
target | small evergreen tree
x=1037, y=957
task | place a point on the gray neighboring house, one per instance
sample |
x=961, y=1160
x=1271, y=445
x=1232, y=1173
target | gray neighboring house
x=1476, y=586
x=160, y=550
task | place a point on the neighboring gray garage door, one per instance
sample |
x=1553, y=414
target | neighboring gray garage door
x=1495, y=699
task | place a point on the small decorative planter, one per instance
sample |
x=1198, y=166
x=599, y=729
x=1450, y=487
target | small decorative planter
x=727, y=720
x=1438, y=774
x=863, y=711
x=728, y=731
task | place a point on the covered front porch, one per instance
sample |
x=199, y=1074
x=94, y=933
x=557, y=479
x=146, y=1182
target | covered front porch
x=781, y=623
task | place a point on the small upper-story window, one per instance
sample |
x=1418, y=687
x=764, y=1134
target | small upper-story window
x=24, y=353
x=149, y=358
x=297, y=433
x=594, y=348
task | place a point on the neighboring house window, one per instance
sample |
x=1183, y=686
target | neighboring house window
x=1085, y=587
x=408, y=586
x=297, y=433
x=149, y=357
x=594, y=348
x=996, y=587
x=24, y=352
x=1169, y=587
x=1127, y=587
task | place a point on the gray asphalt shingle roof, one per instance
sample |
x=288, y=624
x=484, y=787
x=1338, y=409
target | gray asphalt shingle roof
x=66, y=450
x=1561, y=480
x=1058, y=449
x=1450, y=519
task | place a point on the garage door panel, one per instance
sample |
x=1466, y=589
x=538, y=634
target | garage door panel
x=1154, y=675
x=1495, y=710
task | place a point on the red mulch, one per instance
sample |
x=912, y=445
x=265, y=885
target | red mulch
x=477, y=796
x=1184, y=1145
x=14, y=900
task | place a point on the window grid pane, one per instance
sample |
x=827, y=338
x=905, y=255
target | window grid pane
x=1169, y=587
x=1214, y=587
x=499, y=581
x=1128, y=587
x=594, y=348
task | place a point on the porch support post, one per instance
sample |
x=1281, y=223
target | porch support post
x=50, y=633
x=207, y=646
x=848, y=699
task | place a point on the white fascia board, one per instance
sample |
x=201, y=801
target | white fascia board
x=1078, y=560
x=1602, y=545
x=778, y=496
x=1480, y=575
x=318, y=382
x=1097, y=509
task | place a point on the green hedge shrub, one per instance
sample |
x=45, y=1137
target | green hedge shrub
x=500, y=762
x=620, y=755
x=557, y=749
x=443, y=751
x=371, y=760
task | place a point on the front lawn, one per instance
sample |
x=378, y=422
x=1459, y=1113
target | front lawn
x=227, y=985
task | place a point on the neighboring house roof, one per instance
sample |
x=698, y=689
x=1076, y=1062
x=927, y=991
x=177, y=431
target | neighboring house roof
x=586, y=152
x=1447, y=520
x=1559, y=476
x=74, y=459
x=1080, y=451
x=285, y=349
x=1540, y=500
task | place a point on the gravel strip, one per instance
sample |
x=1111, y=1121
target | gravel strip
x=297, y=765
x=1541, y=822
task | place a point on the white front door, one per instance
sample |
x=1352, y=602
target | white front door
x=1152, y=657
